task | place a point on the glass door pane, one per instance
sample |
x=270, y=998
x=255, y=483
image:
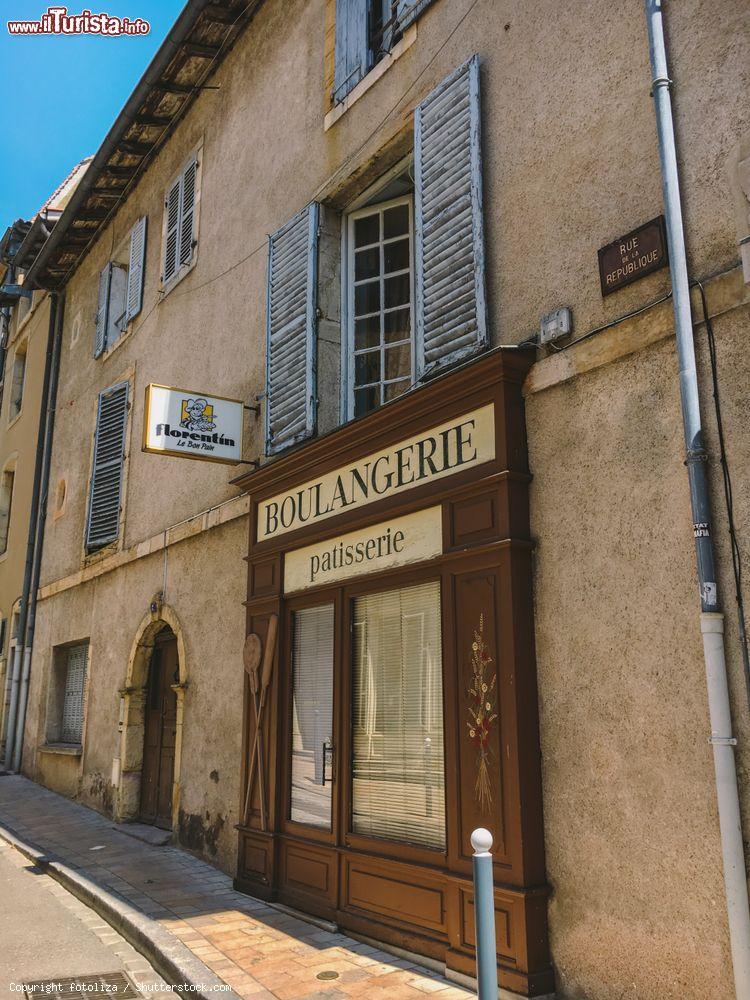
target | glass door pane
x=398, y=789
x=312, y=716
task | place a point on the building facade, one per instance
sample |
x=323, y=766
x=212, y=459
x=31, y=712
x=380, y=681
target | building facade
x=458, y=561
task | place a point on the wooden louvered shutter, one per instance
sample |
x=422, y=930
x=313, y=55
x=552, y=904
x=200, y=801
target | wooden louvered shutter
x=291, y=331
x=135, y=269
x=351, y=46
x=102, y=311
x=409, y=10
x=187, y=212
x=171, y=231
x=105, y=495
x=71, y=730
x=451, y=311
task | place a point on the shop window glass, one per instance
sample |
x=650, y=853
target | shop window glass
x=312, y=716
x=398, y=784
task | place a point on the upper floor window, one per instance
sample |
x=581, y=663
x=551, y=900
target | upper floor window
x=7, y=482
x=366, y=31
x=380, y=282
x=18, y=381
x=120, y=289
x=105, y=491
x=179, y=231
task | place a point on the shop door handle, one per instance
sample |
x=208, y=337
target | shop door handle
x=327, y=754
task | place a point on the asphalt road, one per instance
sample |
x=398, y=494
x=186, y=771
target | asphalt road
x=44, y=933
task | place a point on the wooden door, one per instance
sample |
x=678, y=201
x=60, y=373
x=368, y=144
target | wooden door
x=159, y=739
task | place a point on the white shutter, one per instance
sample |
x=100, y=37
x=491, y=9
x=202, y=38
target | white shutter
x=291, y=331
x=171, y=231
x=105, y=495
x=451, y=312
x=71, y=730
x=102, y=311
x=187, y=212
x=352, y=48
x=135, y=269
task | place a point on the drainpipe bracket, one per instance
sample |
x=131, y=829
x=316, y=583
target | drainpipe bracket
x=722, y=741
x=661, y=81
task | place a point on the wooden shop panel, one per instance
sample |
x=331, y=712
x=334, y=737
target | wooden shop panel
x=393, y=891
x=474, y=519
x=265, y=577
x=309, y=870
x=255, y=858
x=481, y=714
x=507, y=911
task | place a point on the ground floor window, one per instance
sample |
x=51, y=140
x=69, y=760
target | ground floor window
x=398, y=787
x=65, y=720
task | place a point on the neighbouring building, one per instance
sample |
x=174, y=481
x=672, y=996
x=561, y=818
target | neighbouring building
x=25, y=316
x=440, y=557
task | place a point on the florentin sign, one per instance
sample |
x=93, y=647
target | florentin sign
x=192, y=425
x=451, y=447
x=633, y=256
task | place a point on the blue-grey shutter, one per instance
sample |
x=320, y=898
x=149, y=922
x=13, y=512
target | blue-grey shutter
x=105, y=495
x=451, y=311
x=135, y=269
x=71, y=730
x=352, y=50
x=102, y=311
x=187, y=212
x=408, y=11
x=291, y=328
x=171, y=231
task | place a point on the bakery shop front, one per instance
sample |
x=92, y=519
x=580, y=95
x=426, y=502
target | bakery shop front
x=390, y=695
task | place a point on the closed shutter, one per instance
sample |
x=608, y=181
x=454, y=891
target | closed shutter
x=451, y=319
x=351, y=46
x=106, y=478
x=187, y=212
x=291, y=331
x=102, y=311
x=171, y=231
x=71, y=730
x=135, y=269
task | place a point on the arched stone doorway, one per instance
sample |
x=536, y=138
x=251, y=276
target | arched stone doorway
x=160, y=622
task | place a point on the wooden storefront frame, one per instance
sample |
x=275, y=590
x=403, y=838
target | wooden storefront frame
x=413, y=897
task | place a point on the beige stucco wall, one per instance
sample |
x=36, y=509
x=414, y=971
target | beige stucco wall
x=570, y=162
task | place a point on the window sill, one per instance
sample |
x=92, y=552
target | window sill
x=15, y=418
x=409, y=38
x=184, y=271
x=62, y=749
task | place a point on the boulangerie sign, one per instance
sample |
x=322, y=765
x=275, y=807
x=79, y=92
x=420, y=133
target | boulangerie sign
x=451, y=447
x=192, y=425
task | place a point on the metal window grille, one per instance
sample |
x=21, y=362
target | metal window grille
x=71, y=730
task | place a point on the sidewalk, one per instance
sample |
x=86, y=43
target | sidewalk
x=186, y=912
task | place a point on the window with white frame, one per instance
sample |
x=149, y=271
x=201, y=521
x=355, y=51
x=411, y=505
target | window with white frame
x=380, y=283
x=120, y=294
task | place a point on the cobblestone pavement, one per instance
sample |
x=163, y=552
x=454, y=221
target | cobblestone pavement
x=257, y=949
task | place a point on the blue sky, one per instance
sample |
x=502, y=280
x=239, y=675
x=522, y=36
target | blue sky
x=62, y=93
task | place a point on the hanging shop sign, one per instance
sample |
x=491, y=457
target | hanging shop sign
x=633, y=256
x=192, y=425
x=382, y=546
x=444, y=450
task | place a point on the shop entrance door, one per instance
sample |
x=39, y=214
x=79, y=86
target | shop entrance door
x=160, y=731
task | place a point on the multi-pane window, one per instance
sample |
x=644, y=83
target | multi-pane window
x=312, y=716
x=120, y=290
x=398, y=785
x=71, y=727
x=7, y=480
x=18, y=380
x=380, y=298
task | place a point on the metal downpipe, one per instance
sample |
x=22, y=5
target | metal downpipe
x=711, y=618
